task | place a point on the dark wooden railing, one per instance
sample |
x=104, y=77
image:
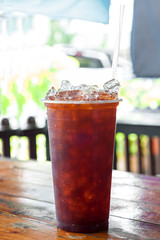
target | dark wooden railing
x=31, y=131
x=139, y=130
x=141, y=123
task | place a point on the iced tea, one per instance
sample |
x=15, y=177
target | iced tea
x=81, y=143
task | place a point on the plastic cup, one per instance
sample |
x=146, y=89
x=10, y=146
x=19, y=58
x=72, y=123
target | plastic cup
x=81, y=136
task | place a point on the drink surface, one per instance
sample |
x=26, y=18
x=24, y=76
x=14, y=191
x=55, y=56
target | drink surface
x=81, y=143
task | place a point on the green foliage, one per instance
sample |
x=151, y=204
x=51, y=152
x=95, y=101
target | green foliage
x=142, y=93
x=53, y=70
x=133, y=148
x=41, y=147
x=144, y=144
x=120, y=144
x=120, y=140
x=38, y=91
x=5, y=102
x=132, y=143
x=20, y=99
x=58, y=34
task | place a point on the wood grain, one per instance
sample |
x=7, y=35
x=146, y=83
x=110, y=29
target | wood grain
x=27, y=209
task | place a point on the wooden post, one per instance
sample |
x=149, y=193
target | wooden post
x=151, y=158
x=127, y=159
x=139, y=155
x=6, y=138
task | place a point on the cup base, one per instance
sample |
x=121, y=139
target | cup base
x=83, y=228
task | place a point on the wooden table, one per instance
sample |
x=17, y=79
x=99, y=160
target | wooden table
x=27, y=209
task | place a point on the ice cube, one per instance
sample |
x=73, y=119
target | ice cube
x=92, y=96
x=51, y=94
x=103, y=95
x=75, y=95
x=93, y=88
x=82, y=87
x=61, y=95
x=112, y=86
x=65, y=85
x=84, y=92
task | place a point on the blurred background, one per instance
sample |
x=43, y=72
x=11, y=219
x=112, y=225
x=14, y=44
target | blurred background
x=37, y=52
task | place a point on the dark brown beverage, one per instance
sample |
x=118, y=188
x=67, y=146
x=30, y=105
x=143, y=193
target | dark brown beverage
x=81, y=142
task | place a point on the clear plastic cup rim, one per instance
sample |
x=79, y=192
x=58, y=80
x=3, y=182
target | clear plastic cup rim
x=81, y=102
